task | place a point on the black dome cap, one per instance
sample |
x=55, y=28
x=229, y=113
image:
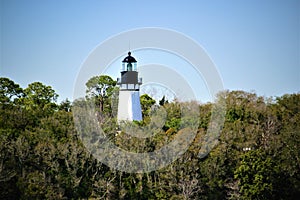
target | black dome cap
x=129, y=58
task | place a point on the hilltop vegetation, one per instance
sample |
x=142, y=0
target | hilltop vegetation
x=257, y=155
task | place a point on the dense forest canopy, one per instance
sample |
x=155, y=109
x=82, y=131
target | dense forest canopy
x=257, y=155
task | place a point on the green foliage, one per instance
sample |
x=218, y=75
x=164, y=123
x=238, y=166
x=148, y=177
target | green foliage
x=9, y=90
x=41, y=156
x=173, y=116
x=256, y=174
x=65, y=105
x=100, y=89
x=39, y=101
x=146, y=103
x=38, y=94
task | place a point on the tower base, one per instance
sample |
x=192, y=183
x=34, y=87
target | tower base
x=129, y=107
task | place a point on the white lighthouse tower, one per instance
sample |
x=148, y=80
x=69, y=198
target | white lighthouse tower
x=129, y=107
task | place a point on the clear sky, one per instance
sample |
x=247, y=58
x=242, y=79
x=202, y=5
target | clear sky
x=255, y=45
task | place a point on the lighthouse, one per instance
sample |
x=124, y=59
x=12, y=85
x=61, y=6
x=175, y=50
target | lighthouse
x=129, y=107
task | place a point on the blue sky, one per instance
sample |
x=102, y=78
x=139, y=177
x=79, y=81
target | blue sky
x=255, y=45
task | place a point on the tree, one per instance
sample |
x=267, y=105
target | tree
x=9, y=90
x=38, y=94
x=100, y=89
x=163, y=101
x=285, y=145
x=256, y=174
x=146, y=103
x=38, y=101
x=43, y=157
x=65, y=105
x=173, y=116
x=10, y=113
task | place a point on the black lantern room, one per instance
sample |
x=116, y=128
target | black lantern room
x=129, y=76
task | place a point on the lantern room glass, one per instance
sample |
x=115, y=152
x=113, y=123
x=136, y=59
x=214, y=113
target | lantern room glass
x=129, y=67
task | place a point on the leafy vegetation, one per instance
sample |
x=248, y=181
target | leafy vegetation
x=41, y=156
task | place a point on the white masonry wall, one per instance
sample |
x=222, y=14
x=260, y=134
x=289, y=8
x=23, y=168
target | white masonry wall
x=129, y=107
